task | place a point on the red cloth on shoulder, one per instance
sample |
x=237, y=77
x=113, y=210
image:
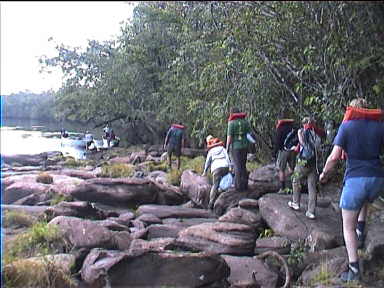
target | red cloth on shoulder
x=234, y=116
x=178, y=126
x=354, y=113
x=282, y=122
x=319, y=131
x=214, y=142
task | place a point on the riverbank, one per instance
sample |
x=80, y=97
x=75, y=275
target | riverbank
x=123, y=210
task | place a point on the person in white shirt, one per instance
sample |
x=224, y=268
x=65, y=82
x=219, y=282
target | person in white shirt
x=218, y=160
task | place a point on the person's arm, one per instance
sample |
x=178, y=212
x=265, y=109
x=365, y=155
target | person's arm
x=332, y=160
x=300, y=135
x=229, y=142
x=207, y=164
x=166, y=138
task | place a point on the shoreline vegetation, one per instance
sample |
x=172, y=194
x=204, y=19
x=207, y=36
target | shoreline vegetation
x=130, y=206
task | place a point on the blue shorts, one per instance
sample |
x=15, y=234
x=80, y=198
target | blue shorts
x=358, y=190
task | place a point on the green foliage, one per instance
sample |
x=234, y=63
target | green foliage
x=195, y=164
x=297, y=253
x=266, y=233
x=73, y=163
x=117, y=170
x=60, y=198
x=27, y=105
x=193, y=61
x=40, y=239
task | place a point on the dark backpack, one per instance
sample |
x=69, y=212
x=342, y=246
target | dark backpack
x=291, y=140
x=311, y=145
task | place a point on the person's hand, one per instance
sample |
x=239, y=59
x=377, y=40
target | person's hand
x=323, y=178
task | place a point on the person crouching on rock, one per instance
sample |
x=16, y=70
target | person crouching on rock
x=218, y=160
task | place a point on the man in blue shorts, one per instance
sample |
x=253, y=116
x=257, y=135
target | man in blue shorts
x=359, y=140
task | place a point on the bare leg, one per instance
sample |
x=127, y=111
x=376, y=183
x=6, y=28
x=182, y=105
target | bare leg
x=178, y=163
x=363, y=212
x=170, y=160
x=349, y=231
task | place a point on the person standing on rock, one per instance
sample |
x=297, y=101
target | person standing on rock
x=309, y=140
x=218, y=160
x=237, y=146
x=174, y=142
x=359, y=140
x=283, y=127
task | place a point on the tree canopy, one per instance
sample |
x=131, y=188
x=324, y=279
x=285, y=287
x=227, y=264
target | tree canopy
x=191, y=61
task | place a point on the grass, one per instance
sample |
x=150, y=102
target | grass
x=117, y=170
x=39, y=240
x=72, y=162
x=324, y=276
x=17, y=218
x=44, y=178
x=266, y=233
x=57, y=198
x=37, y=273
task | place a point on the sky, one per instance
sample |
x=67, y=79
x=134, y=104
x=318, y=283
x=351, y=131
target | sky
x=27, y=26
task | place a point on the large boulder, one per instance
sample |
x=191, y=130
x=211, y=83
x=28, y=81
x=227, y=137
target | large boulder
x=195, y=187
x=165, y=211
x=151, y=270
x=117, y=191
x=265, y=178
x=243, y=216
x=242, y=269
x=83, y=233
x=219, y=238
x=324, y=232
x=80, y=209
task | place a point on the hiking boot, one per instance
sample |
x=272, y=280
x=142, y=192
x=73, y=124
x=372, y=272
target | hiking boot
x=293, y=205
x=360, y=239
x=310, y=215
x=349, y=275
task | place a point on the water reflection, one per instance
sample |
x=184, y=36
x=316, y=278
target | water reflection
x=35, y=139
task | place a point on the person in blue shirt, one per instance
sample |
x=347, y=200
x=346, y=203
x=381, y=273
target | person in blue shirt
x=358, y=141
x=174, y=142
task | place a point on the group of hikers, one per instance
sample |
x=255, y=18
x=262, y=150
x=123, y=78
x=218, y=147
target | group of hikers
x=358, y=141
x=109, y=137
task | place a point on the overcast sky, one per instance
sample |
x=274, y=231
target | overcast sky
x=26, y=27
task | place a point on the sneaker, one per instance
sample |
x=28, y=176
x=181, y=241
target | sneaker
x=293, y=205
x=349, y=275
x=281, y=191
x=310, y=215
x=360, y=239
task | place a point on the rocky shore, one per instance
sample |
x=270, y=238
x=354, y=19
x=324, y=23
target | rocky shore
x=77, y=224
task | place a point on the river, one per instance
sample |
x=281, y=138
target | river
x=20, y=136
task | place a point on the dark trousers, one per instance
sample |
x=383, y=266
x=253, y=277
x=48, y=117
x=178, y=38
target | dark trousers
x=239, y=160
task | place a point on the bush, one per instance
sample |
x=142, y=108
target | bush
x=17, y=218
x=72, y=162
x=44, y=178
x=40, y=239
x=117, y=170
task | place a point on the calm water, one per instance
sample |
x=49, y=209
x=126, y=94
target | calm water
x=33, y=137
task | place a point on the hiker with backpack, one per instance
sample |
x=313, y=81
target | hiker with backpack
x=358, y=141
x=285, y=142
x=237, y=145
x=218, y=160
x=173, y=143
x=306, y=165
